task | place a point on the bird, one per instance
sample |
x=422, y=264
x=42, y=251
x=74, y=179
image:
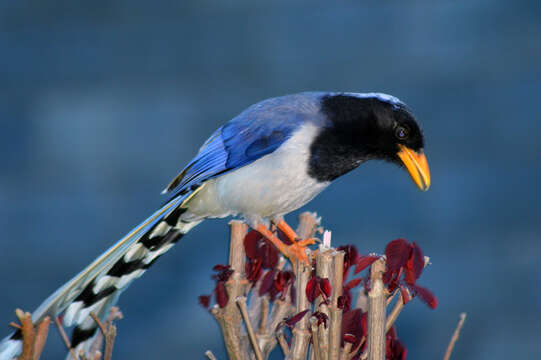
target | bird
x=269, y=160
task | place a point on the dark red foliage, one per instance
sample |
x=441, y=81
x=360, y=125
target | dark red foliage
x=364, y=261
x=266, y=282
x=403, y=257
x=353, y=283
x=414, y=266
x=204, y=301
x=224, y=272
x=253, y=270
x=344, y=301
x=282, y=282
x=322, y=318
x=397, y=253
x=425, y=295
x=407, y=259
x=276, y=283
x=251, y=244
x=318, y=286
x=354, y=327
x=283, y=237
x=394, y=349
x=259, y=248
x=348, y=338
x=290, y=322
x=221, y=294
x=351, y=257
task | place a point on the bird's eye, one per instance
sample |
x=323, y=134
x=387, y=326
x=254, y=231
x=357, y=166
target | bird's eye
x=401, y=132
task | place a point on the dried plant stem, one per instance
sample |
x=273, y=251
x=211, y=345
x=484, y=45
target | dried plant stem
x=229, y=317
x=65, y=338
x=316, y=345
x=308, y=223
x=344, y=355
x=108, y=332
x=376, y=312
x=210, y=355
x=34, y=338
x=109, y=342
x=324, y=270
x=241, y=302
x=455, y=336
x=42, y=330
x=95, y=349
x=283, y=343
x=264, y=314
x=27, y=329
x=393, y=315
x=301, y=333
x=102, y=327
x=335, y=326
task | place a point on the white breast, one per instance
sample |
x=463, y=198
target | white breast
x=270, y=187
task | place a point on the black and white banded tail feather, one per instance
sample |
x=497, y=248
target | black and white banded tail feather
x=97, y=288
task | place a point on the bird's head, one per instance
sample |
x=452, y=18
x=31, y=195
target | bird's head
x=370, y=126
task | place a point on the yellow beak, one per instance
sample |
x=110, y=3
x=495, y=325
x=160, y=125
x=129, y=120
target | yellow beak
x=417, y=166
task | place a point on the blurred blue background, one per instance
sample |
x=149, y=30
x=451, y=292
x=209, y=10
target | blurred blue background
x=103, y=102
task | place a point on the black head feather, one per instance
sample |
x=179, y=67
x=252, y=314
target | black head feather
x=360, y=129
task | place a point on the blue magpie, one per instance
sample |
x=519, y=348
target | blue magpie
x=271, y=159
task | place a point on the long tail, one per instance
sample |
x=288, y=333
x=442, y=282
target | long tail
x=98, y=286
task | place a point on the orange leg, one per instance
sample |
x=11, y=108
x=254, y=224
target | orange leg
x=293, y=252
x=292, y=235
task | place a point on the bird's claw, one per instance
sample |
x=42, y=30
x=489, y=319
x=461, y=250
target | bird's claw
x=297, y=251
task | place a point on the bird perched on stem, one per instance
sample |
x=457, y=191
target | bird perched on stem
x=271, y=159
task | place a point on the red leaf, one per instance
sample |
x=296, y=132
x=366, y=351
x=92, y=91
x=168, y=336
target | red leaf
x=221, y=294
x=364, y=261
x=350, y=257
x=311, y=289
x=397, y=253
x=394, y=349
x=283, y=237
x=392, y=333
x=349, y=338
x=269, y=254
x=425, y=295
x=220, y=267
x=322, y=318
x=259, y=248
x=204, y=301
x=344, y=301
x=317, y=286
x=284, y=281
x=418, y=260
x=224, y=272
x=251, y=244
x=253, y=270
x=266, y=282
x=296, y=318
x=352, y=326
x=326, y=287
x=353, y=283
x=409, y=273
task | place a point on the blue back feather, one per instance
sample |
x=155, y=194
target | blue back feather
x=254, y=133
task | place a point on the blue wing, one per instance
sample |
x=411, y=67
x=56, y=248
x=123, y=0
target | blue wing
x=254, y=133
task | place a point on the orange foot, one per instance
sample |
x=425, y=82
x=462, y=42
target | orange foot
x=294, y=252
x=297, y=251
